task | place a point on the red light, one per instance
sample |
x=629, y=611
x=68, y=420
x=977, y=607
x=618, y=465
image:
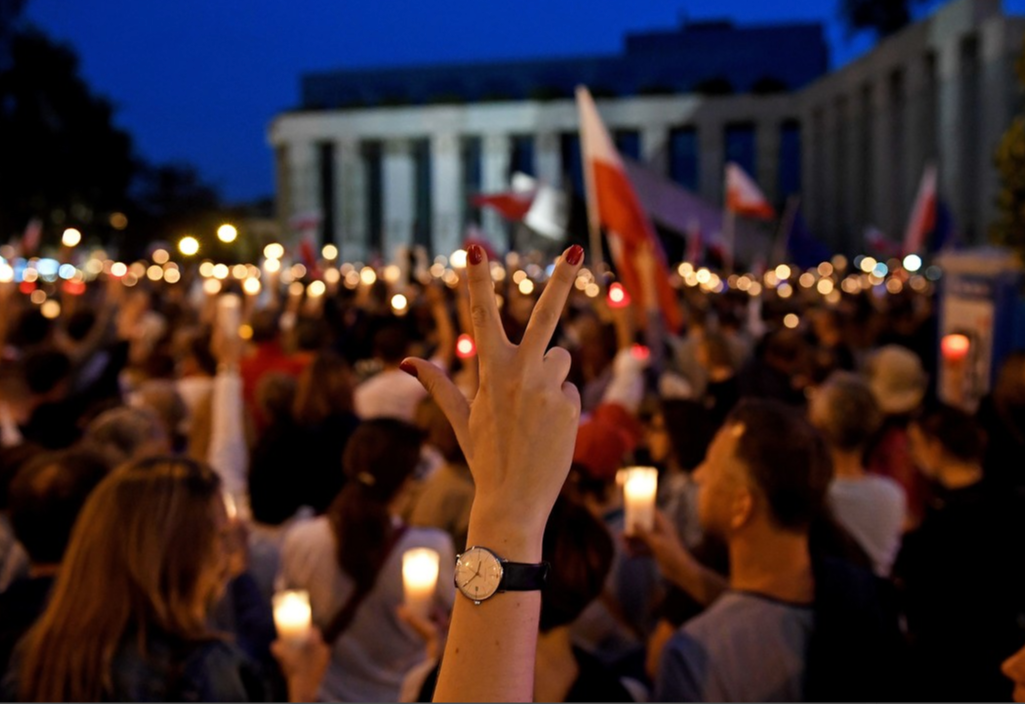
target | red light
x=27, y=287
x=640, y=352
x=618, y=297
x=955, y=347
x=465, y=347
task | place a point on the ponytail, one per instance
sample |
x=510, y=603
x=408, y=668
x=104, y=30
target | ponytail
x=380, y=456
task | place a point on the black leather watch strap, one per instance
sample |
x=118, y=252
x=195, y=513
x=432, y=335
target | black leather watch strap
x=523, y=576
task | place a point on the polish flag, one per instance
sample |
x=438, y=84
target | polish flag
x=512, y=205
x=743, y=196
x=619, y=211
x=923, y=214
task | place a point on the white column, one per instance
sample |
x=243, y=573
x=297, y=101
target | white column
x=711, y=167
x=881, y=211
x=655, y=148
x=811, y=159
x=351, y=213
x=446, y=192
x=830, y=231
x=998, y=91
x=949, y=135
x=495, y=153
x=399, y=175
x=916, y=133
x=548, y=158
x=302, y=169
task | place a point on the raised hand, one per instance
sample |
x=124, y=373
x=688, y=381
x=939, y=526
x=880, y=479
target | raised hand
x=518, y=435
x=518, y=432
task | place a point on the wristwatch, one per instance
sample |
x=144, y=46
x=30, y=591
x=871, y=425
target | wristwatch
x=480, y=574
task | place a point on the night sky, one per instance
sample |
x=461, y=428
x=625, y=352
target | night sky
x=200, y=80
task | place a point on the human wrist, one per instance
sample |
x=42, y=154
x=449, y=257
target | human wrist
x=516, y=540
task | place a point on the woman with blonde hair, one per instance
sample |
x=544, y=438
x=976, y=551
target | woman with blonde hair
x=128, y=616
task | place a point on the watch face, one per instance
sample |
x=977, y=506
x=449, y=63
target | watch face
x=478, y=573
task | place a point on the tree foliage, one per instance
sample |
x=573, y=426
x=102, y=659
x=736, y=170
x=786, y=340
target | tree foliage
x=884, y=17
x=1008, y=229
x=66, y=162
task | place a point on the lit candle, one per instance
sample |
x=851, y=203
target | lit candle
x=639, y=491
x=292, y=615
x=955, y=347
x=420, y=579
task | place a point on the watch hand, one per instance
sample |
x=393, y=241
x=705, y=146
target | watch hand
x=475, y=575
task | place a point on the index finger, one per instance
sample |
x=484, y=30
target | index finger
x=487, y=327
x=549, y=307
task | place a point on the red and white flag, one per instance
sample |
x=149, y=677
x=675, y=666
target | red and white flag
x=619, y=211
x=743, y=196
x=923, y=214
x=511, y=205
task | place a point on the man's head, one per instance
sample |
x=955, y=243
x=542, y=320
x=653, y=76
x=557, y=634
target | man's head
x=766, y=465
x=845, y=412
x=944, y=435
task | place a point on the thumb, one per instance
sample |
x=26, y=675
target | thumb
x=449, y=399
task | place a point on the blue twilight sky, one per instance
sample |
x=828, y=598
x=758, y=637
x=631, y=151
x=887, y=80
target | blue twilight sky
x=200, y=80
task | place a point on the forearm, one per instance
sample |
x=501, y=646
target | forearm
x=491, y=646
x=701, y=583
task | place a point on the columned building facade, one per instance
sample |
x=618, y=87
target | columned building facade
x=392, y=158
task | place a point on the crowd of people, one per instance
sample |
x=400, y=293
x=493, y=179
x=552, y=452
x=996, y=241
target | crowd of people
x=826, y=528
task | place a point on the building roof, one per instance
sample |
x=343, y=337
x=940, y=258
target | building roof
x=697, y=57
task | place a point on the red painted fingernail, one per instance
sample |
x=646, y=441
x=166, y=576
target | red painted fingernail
x=409, y=368
x=575, y=254
x=475, y=254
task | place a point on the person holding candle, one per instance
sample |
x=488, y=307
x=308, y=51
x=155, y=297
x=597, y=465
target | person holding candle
x=128, y=618
x=785, y=626
x=350, y=561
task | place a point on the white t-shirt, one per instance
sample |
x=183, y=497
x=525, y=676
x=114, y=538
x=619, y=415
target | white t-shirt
x=370, y=660
x=872, y=509
x=389, y=394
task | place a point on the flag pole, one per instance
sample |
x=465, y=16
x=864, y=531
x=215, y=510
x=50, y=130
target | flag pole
x=781, y=240
x=593, y=217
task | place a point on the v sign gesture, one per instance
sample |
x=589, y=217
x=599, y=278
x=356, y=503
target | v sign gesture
x=518, y=435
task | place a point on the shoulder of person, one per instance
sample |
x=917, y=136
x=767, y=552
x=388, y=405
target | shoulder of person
x=684, y=670
x=218, y=670
x=305, y=534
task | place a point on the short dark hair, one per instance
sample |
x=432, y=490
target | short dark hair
x=853, y=416
x=44, y=369
x=957, y=431
x=787, y=459
x=46, y=496
x=580, y=550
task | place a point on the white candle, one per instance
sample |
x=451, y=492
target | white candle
x=292, y=615
x=639, y=491
x=420, y=578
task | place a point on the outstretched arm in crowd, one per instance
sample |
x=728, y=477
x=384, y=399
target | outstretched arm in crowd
x=678, y=565
x=518, y=436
